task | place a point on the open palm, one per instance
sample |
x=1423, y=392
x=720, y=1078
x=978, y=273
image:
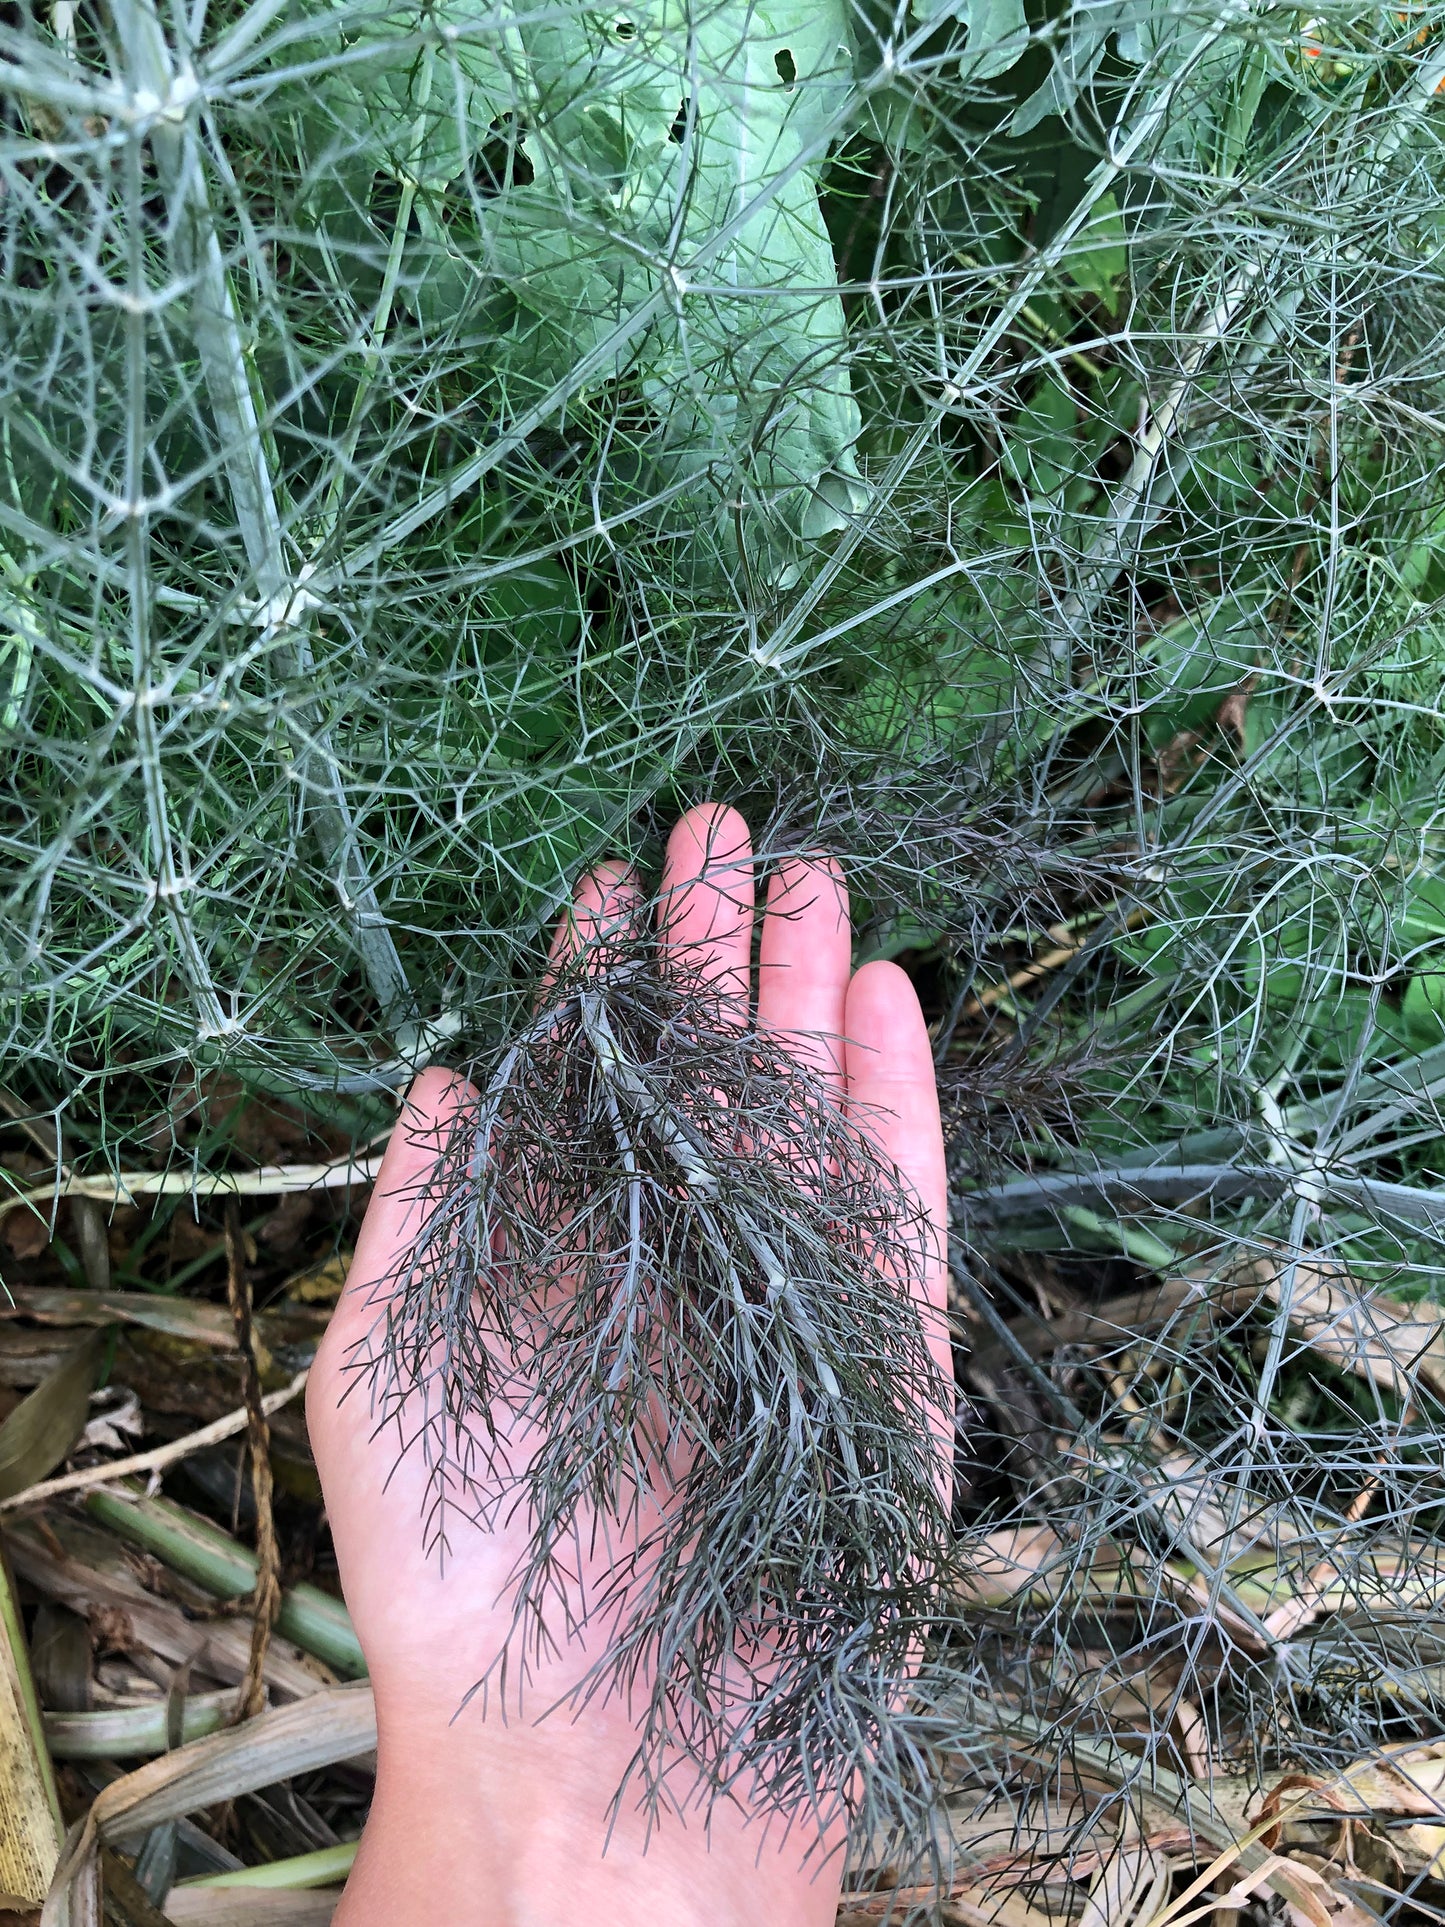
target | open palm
x=500, y=1803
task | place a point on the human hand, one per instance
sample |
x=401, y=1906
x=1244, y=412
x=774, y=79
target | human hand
x=493, y=1816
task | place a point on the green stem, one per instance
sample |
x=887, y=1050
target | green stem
x=201, y=1552
x=328, y=1866
x=134, y=1732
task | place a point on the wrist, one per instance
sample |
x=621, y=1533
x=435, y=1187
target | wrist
x=506, y=1823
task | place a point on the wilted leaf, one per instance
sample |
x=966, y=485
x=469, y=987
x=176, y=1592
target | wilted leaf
x=965, y=1906
x=26, y=1233
x=126, y=1903
x=1412, y=1782
x=330, y=1726
x=256, y=1907
x=46, y=1424
x=1370, y=1335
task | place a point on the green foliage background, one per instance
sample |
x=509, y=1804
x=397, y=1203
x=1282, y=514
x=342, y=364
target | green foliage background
x=437, y=440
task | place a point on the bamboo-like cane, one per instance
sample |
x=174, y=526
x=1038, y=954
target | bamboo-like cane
x=29, y=1809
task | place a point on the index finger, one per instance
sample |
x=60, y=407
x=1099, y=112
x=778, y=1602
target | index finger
x=438, y=1102
x=605, y=904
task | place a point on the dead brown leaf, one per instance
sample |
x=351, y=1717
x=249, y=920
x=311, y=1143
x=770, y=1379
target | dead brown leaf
x=46, y=1424
x=26, y=1234
x=26, y=1356
x=1134, y=1882
x=29, y=1830
x=1232, y=715
x=184, y=1317
x=1374, y=1336
x=285, y=1225
x=1178, y=760
x=1396, y=1345
x=127, y=1904
x=124, y=1616
x=335, y=1725
x=1118, y=1323
x=322, y=1284
x=263, y=1129
x=253, y=1907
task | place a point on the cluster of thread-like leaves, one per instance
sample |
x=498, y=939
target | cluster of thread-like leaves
x=654, y=1243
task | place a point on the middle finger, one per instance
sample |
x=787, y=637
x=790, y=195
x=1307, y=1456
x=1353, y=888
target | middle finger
x=706, y=912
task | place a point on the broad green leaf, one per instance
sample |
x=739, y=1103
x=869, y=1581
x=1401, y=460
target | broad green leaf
x=1239, y=105
x=1197, y=660
x=1423, y=1006
x=998, y=32
x=570, y=169
x=415, y=112
x=1041, y=452
x=542, y=838
x=946, y=689
x=1154, y=33
x=538, y=603
x=1422, y=568
x=1078, y=48
x=917, y=713
x=1099, y=259
x=1421, y=918
x=1421, y=923
x=757, y=389
x=538, y=624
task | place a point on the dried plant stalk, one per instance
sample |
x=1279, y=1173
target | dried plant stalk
x=29, y=1812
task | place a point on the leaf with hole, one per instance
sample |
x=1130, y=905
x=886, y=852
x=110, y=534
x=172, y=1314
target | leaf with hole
x=667, y=195
x=998, y=33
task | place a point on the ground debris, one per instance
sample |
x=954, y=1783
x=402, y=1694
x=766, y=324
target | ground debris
x=1130, y=1576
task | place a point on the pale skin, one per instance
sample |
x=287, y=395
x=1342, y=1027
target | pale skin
x=486, y=1819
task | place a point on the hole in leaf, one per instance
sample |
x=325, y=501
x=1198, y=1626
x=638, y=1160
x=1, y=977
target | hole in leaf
x=624, y=29
x=500, y=162
x=787, y=67
x=678, y=130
